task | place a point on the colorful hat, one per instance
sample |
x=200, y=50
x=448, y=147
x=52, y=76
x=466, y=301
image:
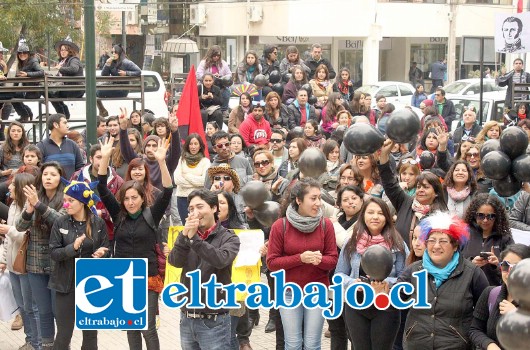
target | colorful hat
x=225, y=168
x=83, y=192
x=68, y=42
x=446, y=223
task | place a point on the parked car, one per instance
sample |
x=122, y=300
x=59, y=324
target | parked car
x=492, y=107
x=471, y=87
x=396, y=92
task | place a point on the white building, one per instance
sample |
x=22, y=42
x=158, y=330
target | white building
x=381, y=38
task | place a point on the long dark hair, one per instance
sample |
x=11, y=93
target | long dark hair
x=9, y=146
x=186, y=147
x=121, y=52
x=298, y=191
x=501, y=226
x=56, y=202
x=439, y=203
x=240, y=114
x=471, y=181
x=331, y=107
x=390, y=234
x=234, y=221
x=148, y=188
x=213, y=50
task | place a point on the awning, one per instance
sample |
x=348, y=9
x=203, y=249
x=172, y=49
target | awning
x=180, y=46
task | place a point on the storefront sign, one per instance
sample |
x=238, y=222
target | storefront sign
x=294, y=40
x=429, y=40
x=357, y=44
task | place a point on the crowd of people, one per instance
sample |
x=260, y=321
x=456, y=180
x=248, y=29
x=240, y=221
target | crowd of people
x=120, y=198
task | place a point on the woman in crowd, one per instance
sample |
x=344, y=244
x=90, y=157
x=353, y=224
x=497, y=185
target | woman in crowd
x=310, y=262
x=248, y=68
x=490, y=130
x=460, y=186
x=290, y=90
x=117, y=65
x=489, y=235
x=69, y=65
x=210, y=101
x=292, y=59
x=27, y=66
x=264, y=166
x=211, y=128
x=349, y=175
x=344, y=85
x=409, y=171
x=367, y=166
x=161, y=127
x=472, y=156
x=331, y=151
x=190, y=172
x=11, y=151
x=522, y=111
x=371, y=328
x=139, y=171
x=135, y=121
x=238, y=114
x=344, y=118
x=312, y=135
x=454, y=286
x=321, y=86
x=386, y=113
x=296, y=147
x=85, y=237
x=357, y=104
x=435, y=140
x=44, y=205
x=238, y=145
x=496, y=301
x=330, y=112
x=135, y=232
x=8, y=252
x=410, y=210
x=276, y=113
x=463, y=147
x=418, y=97
x=135, y=139
x=213, y=64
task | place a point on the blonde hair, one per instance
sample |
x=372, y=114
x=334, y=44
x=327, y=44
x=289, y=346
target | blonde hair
x=481, y=137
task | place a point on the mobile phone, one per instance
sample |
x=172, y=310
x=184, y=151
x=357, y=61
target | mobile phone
x=364, y=279
x=485, y=255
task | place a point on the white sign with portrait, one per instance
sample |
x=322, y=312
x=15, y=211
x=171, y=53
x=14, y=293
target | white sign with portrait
x=512, y=32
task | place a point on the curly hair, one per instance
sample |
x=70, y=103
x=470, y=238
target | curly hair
x=471, y=181
x=481, y=137
x=501, y=226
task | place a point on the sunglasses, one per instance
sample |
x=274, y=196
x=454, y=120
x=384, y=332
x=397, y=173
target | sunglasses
x=263, y=163
x=216, y=55
x=276, y=140
x=223, y=145
x=472, y=155
x=482, y=216
x=219, y=178
x=409, y=161
x=24, y=53
x=506, y=266
x=468, y=138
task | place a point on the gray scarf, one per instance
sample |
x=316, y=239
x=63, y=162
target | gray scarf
x=304, y=224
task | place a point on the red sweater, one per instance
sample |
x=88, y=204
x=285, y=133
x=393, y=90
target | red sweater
x=285, y=248
x=255, y=133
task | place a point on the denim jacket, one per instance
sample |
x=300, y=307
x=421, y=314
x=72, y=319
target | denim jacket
x=349, y=270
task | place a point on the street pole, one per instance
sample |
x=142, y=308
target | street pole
x=451, y=42
x=90, y=72
x=123, y=32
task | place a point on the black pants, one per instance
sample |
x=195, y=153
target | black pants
x=339, y=333
x=60, y=106
x=216, y=116
x=65, y=319
x=6, y=108
x=150, y=335
x=243, y=330
x=436, y=83
x=112, y=93
x=275, y=315
x=398, y=343
x=22, y=110
x=372, y=329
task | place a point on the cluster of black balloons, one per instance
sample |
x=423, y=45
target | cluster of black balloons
x=505, y=161
x=377, y=262
x=257, y=198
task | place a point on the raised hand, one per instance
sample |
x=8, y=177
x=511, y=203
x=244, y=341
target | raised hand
x=31, y=194
x=107, y=147
x=442, y=137
x=124, y=119
x=161, y=151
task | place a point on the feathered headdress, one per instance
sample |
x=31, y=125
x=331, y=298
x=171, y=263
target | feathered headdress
x=83, y=192
x=250, y=89
x=446, y=223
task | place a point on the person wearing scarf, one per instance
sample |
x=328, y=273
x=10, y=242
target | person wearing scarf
x=460, y=186
x=312, y=136
x=303, y=244
x=344, y=85
x=190, y=173
x=373, y=227
x=453, y=287
x=321, y=85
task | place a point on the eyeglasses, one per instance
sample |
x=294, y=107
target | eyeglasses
x=263, y=163
x=482, y=216
x=468, y=138
x=506, y=266
x=432, y=241
x=223, y=145
x=219, y=178
x=276, y=140
x=472, y=155
x=409, y=161
x=216, y=55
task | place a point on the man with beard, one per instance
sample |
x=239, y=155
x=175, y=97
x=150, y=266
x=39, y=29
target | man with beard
x=278, y=150
x=255, y=130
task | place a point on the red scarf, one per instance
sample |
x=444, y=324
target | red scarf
x=366, y=241
x=343, y=87
x=303, y=113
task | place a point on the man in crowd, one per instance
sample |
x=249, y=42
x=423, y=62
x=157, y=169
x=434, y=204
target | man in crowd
x=100, y=130
x=377, y=112
x=316, y=60
x=300, y=111
x=444, y=107
x=269, y=61
x=255, y=130
x=467, y=131
x=415, y=75
x=147, y=124
x=206, y=245
x=277, y=147
x=517, y=75
x=438, y=70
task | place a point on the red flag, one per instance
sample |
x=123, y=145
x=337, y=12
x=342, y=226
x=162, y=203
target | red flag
x=189, y=112
x=519, y=6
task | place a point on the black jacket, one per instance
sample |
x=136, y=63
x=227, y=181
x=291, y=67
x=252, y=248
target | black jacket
x=267, y=69
x=446, y=324
x=207, y=102
x=295, y=116
x=63, y=235
x=72, y=67
x=283, y=121
x=459, y=133
x=313, y=65
x=213, y=256
x=130, y=68
x=507, y=80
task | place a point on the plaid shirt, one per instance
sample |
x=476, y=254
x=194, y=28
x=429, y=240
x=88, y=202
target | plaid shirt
x=38, y=254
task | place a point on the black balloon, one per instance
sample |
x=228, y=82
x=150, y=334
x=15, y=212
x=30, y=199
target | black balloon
x=278, y=88
x=521, y=168
x=286, y=77
x=307, y=87
x=265, y=91
x=254, y=194
x=260, y=80
x=402, y=126
x=267, y=213
x=519, y=281
x=377, y=262
x=312, y=163
x=427, y=160
x=508, y=186
x=514, y=141
x=496, y=165
x=275, y=77
x=312, y=100
x=488, y=146
x=227, y=81
x=363, y=139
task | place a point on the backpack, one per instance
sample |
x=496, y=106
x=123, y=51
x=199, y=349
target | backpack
x=492, y=298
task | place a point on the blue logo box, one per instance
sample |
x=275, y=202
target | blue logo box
x=111, y=294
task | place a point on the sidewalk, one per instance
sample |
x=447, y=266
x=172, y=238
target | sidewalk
x=168, y=334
